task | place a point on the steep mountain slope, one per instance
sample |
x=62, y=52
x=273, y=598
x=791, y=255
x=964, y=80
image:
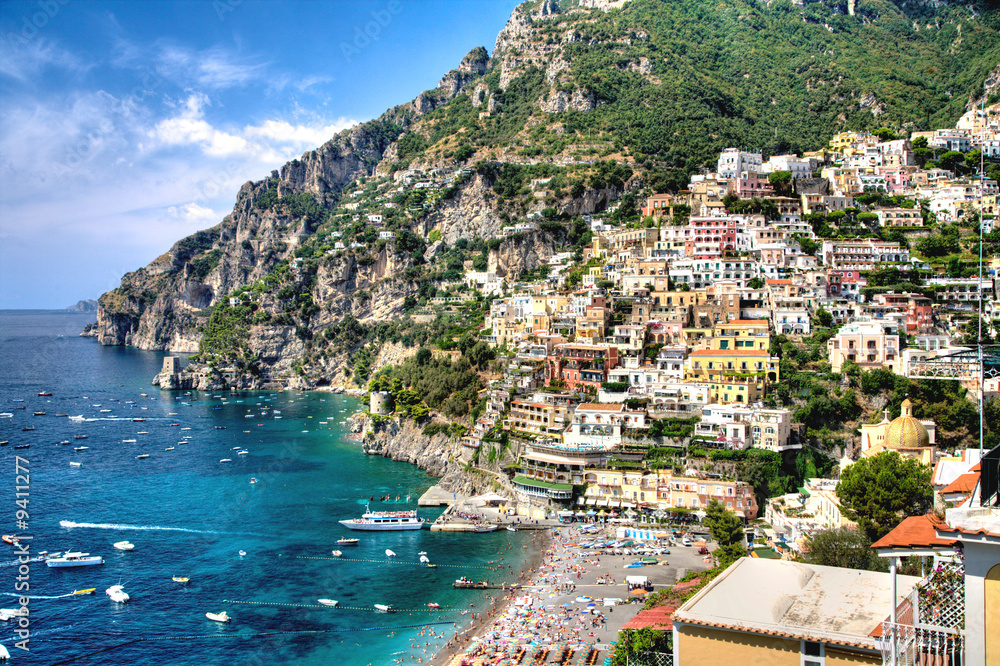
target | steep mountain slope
x=583, y=103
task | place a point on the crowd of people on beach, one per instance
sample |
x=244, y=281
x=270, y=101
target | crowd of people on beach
x=531, y=622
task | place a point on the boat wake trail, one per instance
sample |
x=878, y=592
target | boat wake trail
x=157, y=528
x=58, y=596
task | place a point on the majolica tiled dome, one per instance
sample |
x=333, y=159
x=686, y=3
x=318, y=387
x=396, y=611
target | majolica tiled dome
x=906, y=431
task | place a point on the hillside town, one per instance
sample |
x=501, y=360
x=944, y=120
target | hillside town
x=670, y=333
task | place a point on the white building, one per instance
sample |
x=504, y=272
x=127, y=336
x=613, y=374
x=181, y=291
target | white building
x=732, y=161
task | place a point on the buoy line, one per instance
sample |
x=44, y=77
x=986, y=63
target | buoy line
x=397, y=562
x=337, y=607
x=264, y=634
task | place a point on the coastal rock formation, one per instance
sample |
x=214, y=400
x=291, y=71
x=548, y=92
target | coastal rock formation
x=89, y=305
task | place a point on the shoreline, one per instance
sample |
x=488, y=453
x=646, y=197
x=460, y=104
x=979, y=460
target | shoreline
x=452, y=653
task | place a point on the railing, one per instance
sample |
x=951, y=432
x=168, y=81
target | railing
x=906, y=645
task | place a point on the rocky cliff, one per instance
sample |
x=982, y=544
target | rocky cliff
x=441, y=456
x=313, y=258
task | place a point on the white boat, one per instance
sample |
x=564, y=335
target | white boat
x=243, y=553
x=253, y=480
x=4, y=654
x=424, y=559
x=486, y=528
x=337, y=553
x=128, y=441
x=389, y=553
x=74, y=464
x=124, y=545
x=226, y=460
x=218, y=617
x=117, y=594
x=7, y=613
x=383, y=608
x=80, y=448
x=6, y=415
x=242, y=453
x=169, y=448
x=180, y=579
x=78, y=417
x=384, y=521
x=511, y=529
x=142, y=456
x=328, y=602
x=75, y=560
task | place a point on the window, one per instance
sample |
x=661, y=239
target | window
x=813, y=654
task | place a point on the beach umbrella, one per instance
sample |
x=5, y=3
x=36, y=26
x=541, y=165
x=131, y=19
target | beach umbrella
x=638, y=592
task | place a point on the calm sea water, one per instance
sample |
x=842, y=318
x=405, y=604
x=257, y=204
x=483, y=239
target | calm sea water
x=189, y=514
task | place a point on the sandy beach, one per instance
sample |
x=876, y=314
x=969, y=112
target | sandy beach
x=566, y=610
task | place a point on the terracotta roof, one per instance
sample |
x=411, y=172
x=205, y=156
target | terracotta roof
x=779, y=281
x=730, y=352
x=914, y=531
x=963, y=484
x=597, y=407
x=660, y=617
x=978, y=467
x=959, y=530
x=743, y=322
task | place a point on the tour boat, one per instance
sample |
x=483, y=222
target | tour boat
x=75, y=560
x=383, y=521
x=117, y=594
x=124, y=545
x=344, y=541
x=328, y=602
x=218, y=617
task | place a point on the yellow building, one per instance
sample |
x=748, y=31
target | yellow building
x=710, y=365
x=737, y=391
x=781, y=613
x=907, y=435
x=741, y=334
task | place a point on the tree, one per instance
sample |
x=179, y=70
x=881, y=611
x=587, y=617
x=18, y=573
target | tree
x=880, y=491
x=782, y=183
x=725, y=526
x=824, y=318
x=634, y=644
x=843, y=547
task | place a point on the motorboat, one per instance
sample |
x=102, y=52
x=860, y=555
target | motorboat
x=243, y=553
x=64, y=442
x=169, y=448
x=39, y=413
x=117, y=594
x=511, y=529
x=424, y=559
x=44, y=394
x=486, y=528
x=384, y=521
x=218, y=617
x=128, y=441
x=89, y=590
x=337, y=553
x=23, y=446
x=6, y=614
x=433, y=605
x=75, y=559
x=389, y=553
x=383, y=607
x=124, y=545
x=180, y=579
x=80, y=448
x=80, y=436
x=75, y=464
x=344, y=541
x=9, y=538
x=328, y=602
x=226, y=460
x=253, y=480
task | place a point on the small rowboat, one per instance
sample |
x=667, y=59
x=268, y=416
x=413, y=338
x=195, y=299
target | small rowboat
x=328, y=602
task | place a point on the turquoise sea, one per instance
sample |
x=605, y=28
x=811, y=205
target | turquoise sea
x=188, y=514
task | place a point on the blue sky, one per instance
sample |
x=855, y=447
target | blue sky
x=125, y=126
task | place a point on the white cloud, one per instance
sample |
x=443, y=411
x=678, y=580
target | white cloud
x=213, y=68
x=25, y=60
x=192, y=213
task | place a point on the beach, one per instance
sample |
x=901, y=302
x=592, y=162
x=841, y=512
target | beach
x=573, y=606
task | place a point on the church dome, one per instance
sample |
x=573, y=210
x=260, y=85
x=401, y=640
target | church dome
x=905, y=431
